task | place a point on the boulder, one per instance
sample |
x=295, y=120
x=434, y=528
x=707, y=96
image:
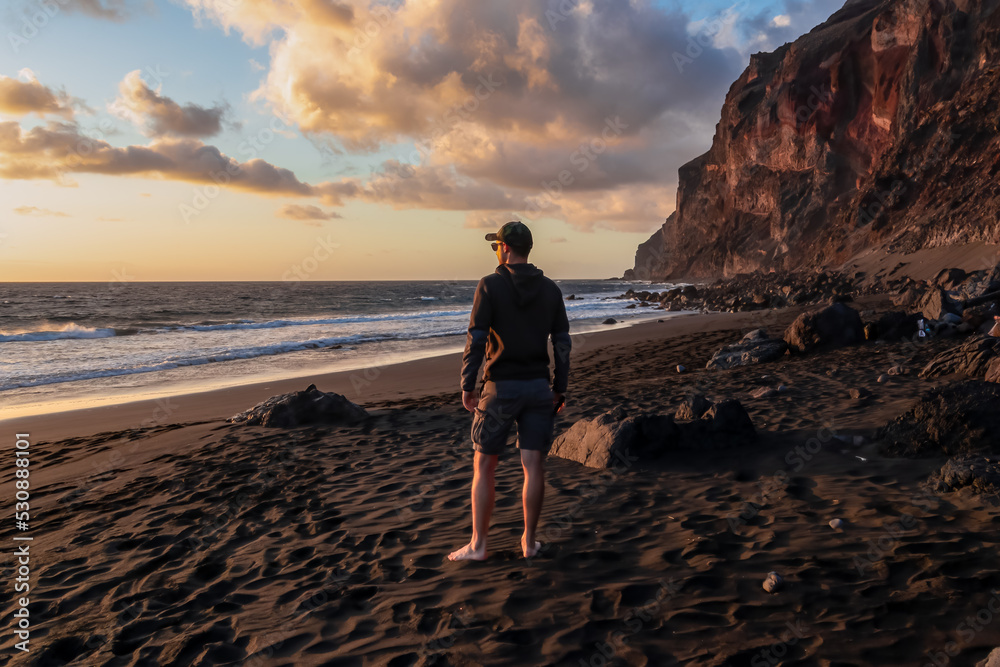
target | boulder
x=754, y=348
x=993, y=370
x=615, y=438
x=834, y=326
x=610, y=320
x=980, y=473
x=977, y=316
x=972, y=358
x=302, y=408
x=907, y=298
x=693, y=407
x=956, y=419
x=897, y=325
x=726, y=423
x=950, y=278
x=723, y=425
x=937, y=303
x=992, y=660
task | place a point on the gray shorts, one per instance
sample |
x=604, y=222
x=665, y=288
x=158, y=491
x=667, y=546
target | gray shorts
x=504, y=402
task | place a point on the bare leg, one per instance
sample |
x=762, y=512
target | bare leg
x=534, y=492
x=482, y=507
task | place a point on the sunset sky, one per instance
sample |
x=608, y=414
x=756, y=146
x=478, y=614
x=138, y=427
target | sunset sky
x=343, y=140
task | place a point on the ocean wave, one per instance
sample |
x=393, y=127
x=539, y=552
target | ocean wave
x=71, y=330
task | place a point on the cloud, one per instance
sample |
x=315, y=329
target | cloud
x=781, y=21
x=110, y=10
x=59, y=149
x=20, y=98
x=39, y=212
x=306, y=212
x=161, y=116
x=485, y=103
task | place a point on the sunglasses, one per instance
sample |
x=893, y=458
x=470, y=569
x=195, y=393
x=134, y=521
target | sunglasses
x=495, y=246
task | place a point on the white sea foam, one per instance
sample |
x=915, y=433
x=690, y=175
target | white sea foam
x=71, y=330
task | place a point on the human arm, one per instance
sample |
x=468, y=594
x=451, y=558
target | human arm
x=561, y=346
x=475, y=344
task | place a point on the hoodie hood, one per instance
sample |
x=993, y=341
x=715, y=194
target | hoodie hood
x=526, y=279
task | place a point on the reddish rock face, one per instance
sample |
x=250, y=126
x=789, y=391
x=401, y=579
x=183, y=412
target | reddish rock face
x=877, y=130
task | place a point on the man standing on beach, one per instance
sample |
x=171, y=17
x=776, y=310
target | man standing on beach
x=514, y=312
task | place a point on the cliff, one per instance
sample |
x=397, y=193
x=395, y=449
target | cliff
x=876, y=131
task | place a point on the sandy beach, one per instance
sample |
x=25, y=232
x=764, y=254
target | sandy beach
x=165, y=536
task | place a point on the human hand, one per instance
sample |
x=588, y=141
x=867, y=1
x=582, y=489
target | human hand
x=558, y=401
x=470, y=399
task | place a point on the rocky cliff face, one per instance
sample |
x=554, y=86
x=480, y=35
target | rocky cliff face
x=876, y=131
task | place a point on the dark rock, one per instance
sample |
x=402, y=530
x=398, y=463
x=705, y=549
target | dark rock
x=859, y=394
x=725, y=424
x=971, y=358
x=834, y=326
x=897, y=325
x=670, y=295
x=754, y=348
x=949, y=279
x=630, y=306
x=693, y=407
x=610, y=320
x=571, y=297
x=908, y=298
x=616, y=439
x=977, y=316
x=302, y=408
x=956, y=419
x=937, y=303
x=980, y=473
x=993, y=370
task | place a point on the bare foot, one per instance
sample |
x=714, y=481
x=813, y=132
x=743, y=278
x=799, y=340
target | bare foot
x=468, y=553
x=528, y=553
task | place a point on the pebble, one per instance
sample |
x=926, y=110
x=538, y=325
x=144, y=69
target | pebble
x=773, y=582
x=836, y=524
x=763, y=392
x=882, y=379
x=680, y=368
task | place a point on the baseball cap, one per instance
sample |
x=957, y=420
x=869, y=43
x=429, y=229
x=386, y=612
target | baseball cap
x=513, y=233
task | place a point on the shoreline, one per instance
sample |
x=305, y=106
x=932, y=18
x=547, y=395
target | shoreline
x=367, y=386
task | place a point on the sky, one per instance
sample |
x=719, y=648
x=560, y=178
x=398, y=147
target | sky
x=154, y=140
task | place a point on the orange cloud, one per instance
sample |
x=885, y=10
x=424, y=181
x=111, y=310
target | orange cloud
x=58, y=149
x=20, y=98
x=161, y=116
x=39, y=212
x=306, y=212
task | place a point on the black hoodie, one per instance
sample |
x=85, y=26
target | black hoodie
x=514, y=312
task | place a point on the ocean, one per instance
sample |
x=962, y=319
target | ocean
x=69, y=345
